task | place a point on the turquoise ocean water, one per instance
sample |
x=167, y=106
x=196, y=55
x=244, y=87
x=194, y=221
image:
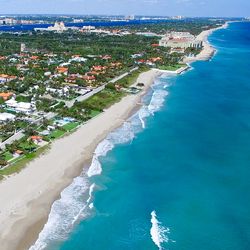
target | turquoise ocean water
x=176, y=175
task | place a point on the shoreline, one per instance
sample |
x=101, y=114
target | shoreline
x=27, y=201
x=26, y=198
x=208, y=50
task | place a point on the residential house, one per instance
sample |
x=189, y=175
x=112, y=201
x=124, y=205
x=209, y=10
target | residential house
x=62, y=70
x=6, y=78
x=20, y=107
x=6, y=96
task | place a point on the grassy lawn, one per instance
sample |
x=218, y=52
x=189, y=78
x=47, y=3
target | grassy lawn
x=8, y=156
x=94, y=113
x=26, y=145
x=56, y=134
x=172, y=67
x=131, y=78
x=21, y=162
x=70, y=126
x=103, y=100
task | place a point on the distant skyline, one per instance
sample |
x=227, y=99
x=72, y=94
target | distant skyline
x=221, y=8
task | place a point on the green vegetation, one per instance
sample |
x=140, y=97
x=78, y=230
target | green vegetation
x=130, y=79
x=55, y=134
x=172, y=67
x=102, y=100
x=7, y=156
x=22, y=162
x=94, y=113
x=71, y=126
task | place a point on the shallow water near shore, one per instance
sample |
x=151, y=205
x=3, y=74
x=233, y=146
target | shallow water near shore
x=176, y=174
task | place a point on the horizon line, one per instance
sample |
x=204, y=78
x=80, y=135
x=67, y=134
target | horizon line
x=115, y=15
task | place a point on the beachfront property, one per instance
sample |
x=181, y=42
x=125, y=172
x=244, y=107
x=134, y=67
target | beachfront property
x=182, y=40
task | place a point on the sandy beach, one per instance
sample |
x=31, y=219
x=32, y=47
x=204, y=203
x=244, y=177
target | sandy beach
x=208, y=50
x=26, y=198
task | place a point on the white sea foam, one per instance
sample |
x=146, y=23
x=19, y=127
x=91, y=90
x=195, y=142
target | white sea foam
x=159, y=233
x=157, y=100
x=91, y=190
x=101, y=150
x=123, y=134
x=143, y=113
x=95, y=167
x=64, y=212
x=141, y=116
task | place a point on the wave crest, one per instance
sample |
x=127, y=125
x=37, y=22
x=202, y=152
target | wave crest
x=158, y=232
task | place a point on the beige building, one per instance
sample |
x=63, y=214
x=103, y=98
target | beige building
x=58, y=27
x=182, y=40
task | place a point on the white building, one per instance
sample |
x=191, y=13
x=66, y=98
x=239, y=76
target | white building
x=63, y=92
x=58, y=27
x=88, y=28
x=23, y=47
x=148, y=34
x=7, y=20
x=100, y=31
x=78, y=20
x=21, y=107
x=6, y=78
x=4, y=117
x=77, y=59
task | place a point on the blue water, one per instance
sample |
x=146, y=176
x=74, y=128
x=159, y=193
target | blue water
x=190, y=164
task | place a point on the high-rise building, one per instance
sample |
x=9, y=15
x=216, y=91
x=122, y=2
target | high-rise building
x=23, y=47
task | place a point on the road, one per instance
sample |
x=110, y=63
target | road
x=17, y=136
x=82, y=98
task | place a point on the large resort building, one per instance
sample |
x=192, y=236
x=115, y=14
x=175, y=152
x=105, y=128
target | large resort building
x=181, y=40
x=58, y=27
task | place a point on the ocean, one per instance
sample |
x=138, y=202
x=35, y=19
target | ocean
x=176, y=175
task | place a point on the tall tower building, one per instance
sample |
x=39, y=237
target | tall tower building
x=23, y=47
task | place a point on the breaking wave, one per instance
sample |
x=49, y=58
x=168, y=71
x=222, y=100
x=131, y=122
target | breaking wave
x=159, y=233
x=64, y=213
x=102, y=149
x=77, y=200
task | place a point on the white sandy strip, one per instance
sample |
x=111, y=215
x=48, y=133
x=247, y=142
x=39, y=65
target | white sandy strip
x=208, y=50
x=26, y=198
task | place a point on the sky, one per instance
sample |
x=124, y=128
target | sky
x=221, y=8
